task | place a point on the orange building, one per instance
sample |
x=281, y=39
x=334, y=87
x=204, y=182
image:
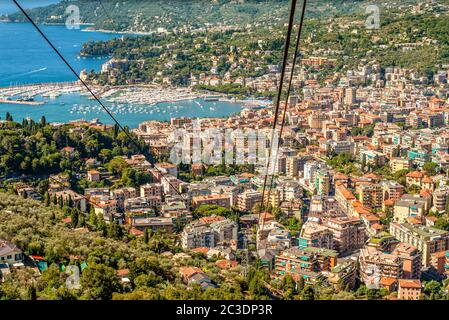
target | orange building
x=409, y=289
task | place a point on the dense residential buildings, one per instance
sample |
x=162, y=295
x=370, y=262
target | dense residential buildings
x=358, y=193
x=306, y=263
x=427, y=240
x=248, y=199
x=203, y=234
x=217, y=199
x=375, y=264
x=348, y=233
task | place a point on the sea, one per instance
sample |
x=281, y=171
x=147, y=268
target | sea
x=25, y=58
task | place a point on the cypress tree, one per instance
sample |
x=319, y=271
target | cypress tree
x=93, y=219
x=31, y=293
x=43, y=121
x=46, y=199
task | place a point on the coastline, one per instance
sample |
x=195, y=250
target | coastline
x=135, y=33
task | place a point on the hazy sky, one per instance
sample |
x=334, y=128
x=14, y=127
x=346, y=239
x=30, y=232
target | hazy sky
x=8, y=6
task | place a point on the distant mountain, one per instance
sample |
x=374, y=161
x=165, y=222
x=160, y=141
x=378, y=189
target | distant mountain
x=9, y=7
x=151, y=15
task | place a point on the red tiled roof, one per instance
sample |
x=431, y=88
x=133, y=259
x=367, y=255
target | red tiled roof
x=201, y=250
x=415, y=174
x=387, y=281
x=226, y=264
x=135, y=232
x=123, y=272
x=188, y=272
x=406, y=283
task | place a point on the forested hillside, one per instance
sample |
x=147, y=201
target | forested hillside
x=40, y=230
x=146, y=16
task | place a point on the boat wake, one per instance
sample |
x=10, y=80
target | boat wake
x=25, y=74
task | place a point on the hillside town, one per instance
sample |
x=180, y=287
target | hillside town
x=346, y=199
x=360, y=191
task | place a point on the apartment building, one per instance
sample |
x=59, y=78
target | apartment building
x=397, y=164
x=427, y=240
x=154, y=224
x=203, y=234
x=440, y=199
x=348, y=233
x=96, y=192
x=171, y=185
x=197, y=235
x=215, y=199
x=411, y=260
x=229, y=191
x=107, y=208
x=141, y=203
x=344, y=197
x=323, y=183
x=294, y=165
x=313, y=234
x=247, y=200
x=370, y=195
x=177, y=210
x=410, y=206
x=289, y=190
x=224, y=230
x=72, y=199
x=306, y=263
x=372, y=158
x=339, y=147
x=419, y=179
x=343, y=275
x=376, y=264
x=151, y=190
x=167, y=168
x=122, y=194
x=392, y=190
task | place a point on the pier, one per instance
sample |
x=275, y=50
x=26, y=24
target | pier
x=28, y=103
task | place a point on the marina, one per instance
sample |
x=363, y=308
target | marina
x=64, y=102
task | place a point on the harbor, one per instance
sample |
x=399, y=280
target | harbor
x=69, y=101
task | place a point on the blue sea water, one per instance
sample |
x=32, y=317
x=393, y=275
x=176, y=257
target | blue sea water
x=8, y=6
x=67, y=107
x=26, y=58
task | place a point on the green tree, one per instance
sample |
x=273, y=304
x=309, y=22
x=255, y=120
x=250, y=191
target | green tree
x=301, y=284
x=288, y=285
x=99, y=282
x=93, y=218
x=115, y=231
x=308, y=293
x=46, y=199
x=431, y=168
x=31, y=292
x=43, y=121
